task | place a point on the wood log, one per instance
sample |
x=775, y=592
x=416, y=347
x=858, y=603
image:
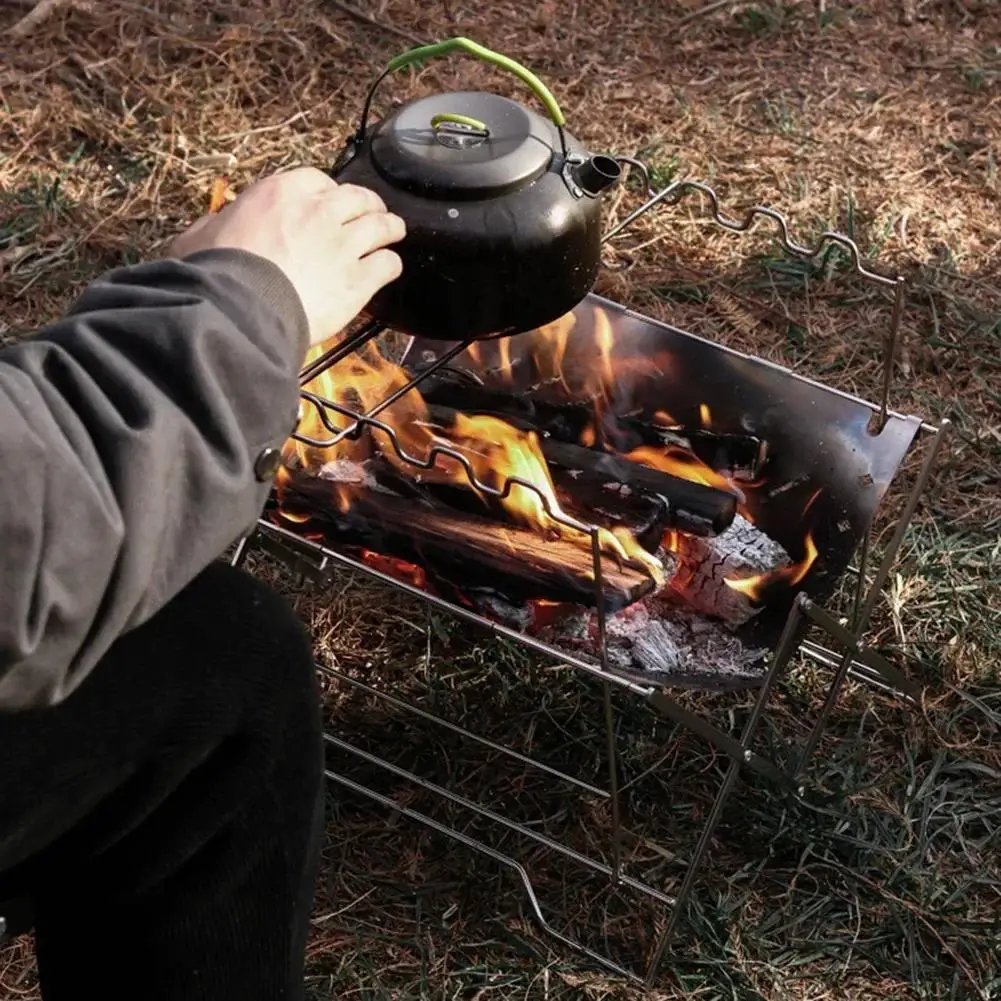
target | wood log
x=694, y=508
x=741, y=456
x=564, y=421
x=690, y=507
x=704, y=566
x=461, y=548
x=590, y=500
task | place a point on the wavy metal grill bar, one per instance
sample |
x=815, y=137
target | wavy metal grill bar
x=675, y=193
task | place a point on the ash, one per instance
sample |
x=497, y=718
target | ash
x=660, y=640
x=685, y=634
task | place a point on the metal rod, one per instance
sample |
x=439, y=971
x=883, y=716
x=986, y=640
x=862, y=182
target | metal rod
x=497, y=818
x=861, y=620
x=434, y=452
x=368, y=418
x=611, y=751
x=484, y=849
x=240, y=553
x=783, y=653
x=462, y=731
x=456, y=349
x=872, y=662
x=890, y=357
x=530, y=642
x=713, y=735
x=342, y=349
x=779, y=221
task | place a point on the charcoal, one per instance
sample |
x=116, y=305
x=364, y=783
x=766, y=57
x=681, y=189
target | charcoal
x=743, y=550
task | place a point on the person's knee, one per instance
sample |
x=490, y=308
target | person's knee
x=227, y=635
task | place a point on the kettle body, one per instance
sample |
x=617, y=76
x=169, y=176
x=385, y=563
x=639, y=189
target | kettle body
x=503, y=214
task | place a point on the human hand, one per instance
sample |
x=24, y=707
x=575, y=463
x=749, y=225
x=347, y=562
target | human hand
x=331, y=240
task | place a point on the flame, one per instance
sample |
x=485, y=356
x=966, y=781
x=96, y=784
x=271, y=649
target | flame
x=549, y=347
x=755, y=587
x=604, y=339
x=495, y=451
x=504, y=348
x=681, y=463
x=498, y=452
x=705, y=415
x=359, y=383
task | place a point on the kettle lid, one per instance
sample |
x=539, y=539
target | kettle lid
x=466, y=144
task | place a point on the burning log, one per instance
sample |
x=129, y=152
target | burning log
x=459, y=547
x=563, y=421
x=740, y=456
x=694, y=507
x=687, y=506
x=594, y=501
x=705, y=565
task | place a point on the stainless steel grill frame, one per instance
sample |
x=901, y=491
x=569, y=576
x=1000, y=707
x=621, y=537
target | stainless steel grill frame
x=840, y=648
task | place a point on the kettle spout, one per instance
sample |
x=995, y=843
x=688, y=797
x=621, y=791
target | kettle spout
x=596, y=173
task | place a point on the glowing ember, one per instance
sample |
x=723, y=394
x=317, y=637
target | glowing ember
x=400, y=570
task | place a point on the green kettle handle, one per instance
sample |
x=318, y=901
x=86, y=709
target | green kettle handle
x=472, y=48
x=450, y=45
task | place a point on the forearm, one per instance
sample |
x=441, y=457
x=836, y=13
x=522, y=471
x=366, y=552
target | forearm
x=129, y=435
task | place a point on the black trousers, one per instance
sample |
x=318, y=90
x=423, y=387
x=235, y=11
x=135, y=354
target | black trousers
x=165, y=819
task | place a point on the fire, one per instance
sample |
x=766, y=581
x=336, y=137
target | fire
x=498, y=452
x=604, y=339
x=495, y=450
x=549, y=347
x=705, y=415
x=359, y=383
x=755, y=587
x=681, y=463
x=401, y=570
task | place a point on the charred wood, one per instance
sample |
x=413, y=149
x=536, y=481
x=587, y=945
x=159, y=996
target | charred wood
x=694, y=507
x=741, y=456
x=463, y=549
x=704, y=566
x=689, y=507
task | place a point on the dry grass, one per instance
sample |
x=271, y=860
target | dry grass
x=880, y=119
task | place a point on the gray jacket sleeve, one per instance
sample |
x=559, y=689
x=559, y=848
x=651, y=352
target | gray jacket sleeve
x=129, y=435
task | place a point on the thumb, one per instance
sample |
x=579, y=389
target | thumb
x=188, y=241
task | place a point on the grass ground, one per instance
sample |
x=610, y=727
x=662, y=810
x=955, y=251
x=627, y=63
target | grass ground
x=881, y=119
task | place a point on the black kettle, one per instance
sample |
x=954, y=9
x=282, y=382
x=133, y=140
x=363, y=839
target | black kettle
x=502, y=206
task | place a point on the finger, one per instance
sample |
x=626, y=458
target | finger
x=378, y=270
x=348, y=202
x=188, y=241
x=306, y=181
x=372, y=232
